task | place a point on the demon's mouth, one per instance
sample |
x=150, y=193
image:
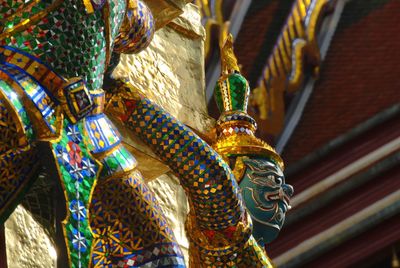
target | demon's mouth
x=278, y=195
x=274, y=198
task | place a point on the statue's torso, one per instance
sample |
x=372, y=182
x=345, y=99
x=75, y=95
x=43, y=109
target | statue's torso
x=68, y=39
x=36, y=64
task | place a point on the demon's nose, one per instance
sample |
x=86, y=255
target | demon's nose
x=288, y=189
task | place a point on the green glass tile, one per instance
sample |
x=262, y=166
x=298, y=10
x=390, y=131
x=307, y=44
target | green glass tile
x=218, y=98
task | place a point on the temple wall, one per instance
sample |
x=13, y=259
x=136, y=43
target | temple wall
x=170, y=72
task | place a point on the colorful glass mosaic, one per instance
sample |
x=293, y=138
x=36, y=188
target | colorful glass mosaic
x=219, y=229
x=138, y=23
x=52, y=59
x=136, y=234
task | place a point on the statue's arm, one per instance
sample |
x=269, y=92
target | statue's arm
x=218, y=226
x=207, y=179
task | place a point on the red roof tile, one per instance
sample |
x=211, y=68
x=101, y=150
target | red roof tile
x=342, y=208
x=359, y=77
x=362, y=250
x=252, y=35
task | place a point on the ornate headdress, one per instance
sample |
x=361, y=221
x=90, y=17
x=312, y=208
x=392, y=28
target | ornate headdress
x=235, y=128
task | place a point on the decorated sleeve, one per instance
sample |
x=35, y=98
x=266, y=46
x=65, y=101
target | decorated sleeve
x=209, y=182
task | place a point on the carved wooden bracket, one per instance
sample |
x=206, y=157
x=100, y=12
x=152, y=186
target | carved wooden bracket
x=295, y=51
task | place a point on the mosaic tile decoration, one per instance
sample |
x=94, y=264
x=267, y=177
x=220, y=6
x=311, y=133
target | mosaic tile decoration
x=18, y=160
x=136, y=31
x=78, y=172
x=218, y=236
x=202, y=171
x=133, y=234
x=53, y=55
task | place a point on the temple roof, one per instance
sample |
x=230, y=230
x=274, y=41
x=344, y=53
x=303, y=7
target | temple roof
x=343, y=156
x=342, y=153
x=258, y=34
x=359, y=77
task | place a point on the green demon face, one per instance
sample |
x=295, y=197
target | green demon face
x=266, y=196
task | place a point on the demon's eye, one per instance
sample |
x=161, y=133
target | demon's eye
x=275, y=179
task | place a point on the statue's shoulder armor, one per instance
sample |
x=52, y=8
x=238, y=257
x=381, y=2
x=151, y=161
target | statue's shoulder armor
x=25, y=80
x=14, y=116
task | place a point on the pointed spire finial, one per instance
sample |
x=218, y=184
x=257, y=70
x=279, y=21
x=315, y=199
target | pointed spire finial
x=235, y=127
x=229, y=63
